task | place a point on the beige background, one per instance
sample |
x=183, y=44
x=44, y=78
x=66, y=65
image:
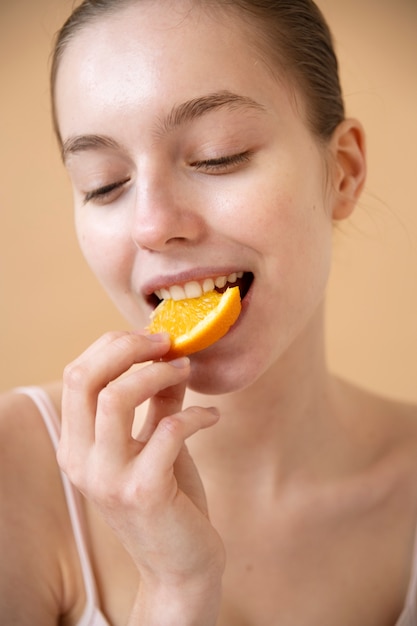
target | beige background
x=51, y=307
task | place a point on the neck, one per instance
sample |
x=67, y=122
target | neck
x=271, y=427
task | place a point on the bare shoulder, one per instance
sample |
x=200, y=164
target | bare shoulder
x=392, y=422
x=22, y=430
x=398, y=422
x=387, y=429
x=34, y=523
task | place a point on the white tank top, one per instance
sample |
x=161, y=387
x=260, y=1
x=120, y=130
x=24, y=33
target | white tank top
x=92, y=615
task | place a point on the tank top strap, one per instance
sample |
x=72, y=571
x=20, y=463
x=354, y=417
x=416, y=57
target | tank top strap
x=408, y=616
x=73, y=499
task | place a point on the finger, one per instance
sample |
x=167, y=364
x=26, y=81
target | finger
x=117, y=402
x=189, y=480
x=166, y=402
x=159, y=455
x=109, y=357
x=77, y=370
x=112, y=356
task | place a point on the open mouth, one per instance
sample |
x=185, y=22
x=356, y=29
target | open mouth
x=197, y=288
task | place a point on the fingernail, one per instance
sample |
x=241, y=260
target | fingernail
x=183, y=361
x=161, y=337
x=214, y=410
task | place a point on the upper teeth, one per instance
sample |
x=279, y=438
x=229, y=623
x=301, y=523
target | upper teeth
x=194, y=289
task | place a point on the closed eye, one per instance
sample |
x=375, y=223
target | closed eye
x=104, y=194
x=223, y=164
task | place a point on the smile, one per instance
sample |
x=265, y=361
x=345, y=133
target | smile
x=195, y=288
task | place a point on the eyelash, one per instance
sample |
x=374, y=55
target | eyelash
x=223, y=163
x=217, y=165
x=102, y=193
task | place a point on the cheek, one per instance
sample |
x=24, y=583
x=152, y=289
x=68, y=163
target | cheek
x=105, y=251
x=111, y=257
x=289, y=226
x=281, y=223
x=305, y=241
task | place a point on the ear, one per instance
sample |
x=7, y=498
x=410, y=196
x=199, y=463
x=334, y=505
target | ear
x=349, y=167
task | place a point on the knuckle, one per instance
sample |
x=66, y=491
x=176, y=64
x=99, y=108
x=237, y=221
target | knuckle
x=124, y=341
x=171, y=425
x=201, y=415
x=143, y=496
x=70, y=467
x=86, y=476
x=133, y=494
x=103, y=490
x=110, y=495
x=109, y=399
x=61, y=457
x=74, y=375
x=112, y=335
x=162, y=377
x=129, y=342
x=198, y=411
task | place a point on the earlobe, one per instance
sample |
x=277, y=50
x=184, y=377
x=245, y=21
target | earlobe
x=349, y=154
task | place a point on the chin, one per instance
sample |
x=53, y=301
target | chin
x=216, y=374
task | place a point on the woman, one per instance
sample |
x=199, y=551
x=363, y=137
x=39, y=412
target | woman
x=205, y=140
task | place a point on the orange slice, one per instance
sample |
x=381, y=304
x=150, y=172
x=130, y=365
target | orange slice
x=196, y=323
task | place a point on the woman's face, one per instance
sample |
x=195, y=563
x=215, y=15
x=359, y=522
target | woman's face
x=190, y=160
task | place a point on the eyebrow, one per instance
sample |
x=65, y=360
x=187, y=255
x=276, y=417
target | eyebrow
x=179, y=115
x=197, y=107
x=80, y=143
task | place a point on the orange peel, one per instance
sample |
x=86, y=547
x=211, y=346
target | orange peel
x=196, y=323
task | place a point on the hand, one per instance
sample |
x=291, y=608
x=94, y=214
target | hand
x=146, y=487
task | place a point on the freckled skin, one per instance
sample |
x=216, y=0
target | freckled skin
x=173, y=218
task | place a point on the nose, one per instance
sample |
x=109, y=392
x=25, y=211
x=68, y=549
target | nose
x=164, y=214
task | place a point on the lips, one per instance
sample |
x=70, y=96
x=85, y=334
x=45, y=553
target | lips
x=196, y=288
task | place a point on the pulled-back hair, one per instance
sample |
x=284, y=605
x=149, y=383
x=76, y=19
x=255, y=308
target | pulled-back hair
x=293, y=33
